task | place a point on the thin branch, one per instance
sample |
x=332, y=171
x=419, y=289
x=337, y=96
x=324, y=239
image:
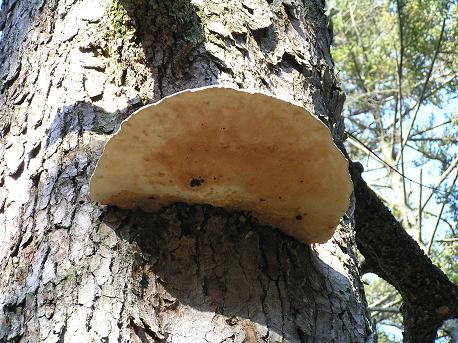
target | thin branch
x=358, y=36
x=400, y=66
x=397, y=326
x=419, y=207
x=434, y=215
x=392, y=303
x=374, y=108
x=425, y=153
x=430, y=128
x=381, y=300
x=435, y=139
x=358, y=123
x=360, y=145
x=393, y=133
x=444, y=175
x=450, y=78
x=383, y=167
x=383, y=309
x=358, y=96
x=381, y=178
x=380, y=186
x=358, y=73
x=445, y=83
x=358, y=112
x=431, y=240
x=423, y=91
x=447, y=240
x=386, y=306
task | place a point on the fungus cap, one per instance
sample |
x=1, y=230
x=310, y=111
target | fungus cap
x=228, y=148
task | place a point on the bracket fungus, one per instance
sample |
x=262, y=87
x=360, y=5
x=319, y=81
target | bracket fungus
x=228, y=148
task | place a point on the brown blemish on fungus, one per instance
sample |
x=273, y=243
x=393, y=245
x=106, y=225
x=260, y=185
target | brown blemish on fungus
x=272, y=158
x=196, y=182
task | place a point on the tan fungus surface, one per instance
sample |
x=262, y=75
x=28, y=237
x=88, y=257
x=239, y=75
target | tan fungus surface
x=232, y=149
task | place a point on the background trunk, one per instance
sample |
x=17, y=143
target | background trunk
x=72, y=270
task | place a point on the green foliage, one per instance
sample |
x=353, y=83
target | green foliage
x=397, y=60
x=379, y=293
x=446, y=257
x=367, y=50
x=368, y=40
x=395, y=57
x=384, y=338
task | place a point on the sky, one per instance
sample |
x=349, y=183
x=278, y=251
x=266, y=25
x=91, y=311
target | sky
x=431, y=172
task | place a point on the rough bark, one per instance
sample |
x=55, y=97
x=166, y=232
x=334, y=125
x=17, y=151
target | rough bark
x=429, y=297
x=72, y=270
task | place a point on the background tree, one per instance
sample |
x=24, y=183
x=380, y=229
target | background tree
x=75, y=271
x=398, y=61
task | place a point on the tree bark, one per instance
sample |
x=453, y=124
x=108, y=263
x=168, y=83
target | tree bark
x=429, y=297
x=76, y=271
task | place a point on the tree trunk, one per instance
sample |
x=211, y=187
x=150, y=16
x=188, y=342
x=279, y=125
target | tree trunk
x=76, y=271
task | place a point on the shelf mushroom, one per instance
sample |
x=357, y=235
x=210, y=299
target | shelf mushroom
x=228, y=148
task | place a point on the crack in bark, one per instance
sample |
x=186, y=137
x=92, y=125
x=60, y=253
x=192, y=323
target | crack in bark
x=277, y=283
x=263, y=306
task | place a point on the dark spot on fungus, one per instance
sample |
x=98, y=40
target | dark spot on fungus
x=299, y=217
x=261, y=199
x=196, y=182
x=151, y=197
